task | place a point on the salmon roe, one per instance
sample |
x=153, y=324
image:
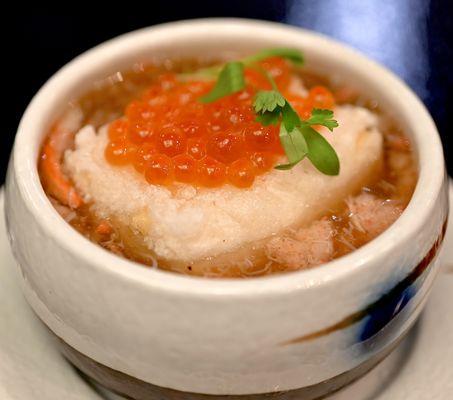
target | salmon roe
x=169, y=136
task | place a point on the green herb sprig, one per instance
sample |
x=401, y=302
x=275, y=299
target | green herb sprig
x=231, y=80
x=231, y=77
x=297, y=136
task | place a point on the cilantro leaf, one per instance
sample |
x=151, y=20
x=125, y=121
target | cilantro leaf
x=290, y=117
x=268, y=100
x=230, y=80
x=295, y=147
x=322, y=117
x=271, y=104
x=314, y=145
x=269, y=117
x=293, y=55
x=320, y=152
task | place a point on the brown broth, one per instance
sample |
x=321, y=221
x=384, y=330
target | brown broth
x=107, y=100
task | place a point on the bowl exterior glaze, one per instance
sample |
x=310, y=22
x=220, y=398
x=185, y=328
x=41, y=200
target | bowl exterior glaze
x=225, y=337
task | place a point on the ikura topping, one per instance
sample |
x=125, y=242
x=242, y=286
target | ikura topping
x=169, y=135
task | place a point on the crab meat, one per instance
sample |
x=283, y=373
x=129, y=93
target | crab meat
x=54, y=180
x=371, y=215
x=308, y=247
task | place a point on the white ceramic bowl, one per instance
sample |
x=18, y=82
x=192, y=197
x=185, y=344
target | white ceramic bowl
x=314, y=329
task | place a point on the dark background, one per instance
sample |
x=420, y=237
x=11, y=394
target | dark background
x=412, y=37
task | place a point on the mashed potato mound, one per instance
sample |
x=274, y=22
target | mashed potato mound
x=186, y=223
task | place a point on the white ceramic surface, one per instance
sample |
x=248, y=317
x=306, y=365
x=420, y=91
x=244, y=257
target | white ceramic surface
x=32, y=368
x=217, y=336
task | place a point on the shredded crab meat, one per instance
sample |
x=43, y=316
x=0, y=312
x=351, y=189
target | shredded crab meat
x=347, y=243
x=368, y=215
x=247, y=268
x=266, y=269
x=372, y=215
x=308, y=247
x=53, y=178
x=67, y=213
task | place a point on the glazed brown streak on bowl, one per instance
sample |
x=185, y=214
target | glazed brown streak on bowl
x=136, y=389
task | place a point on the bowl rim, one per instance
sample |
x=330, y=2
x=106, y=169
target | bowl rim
x=428, y=149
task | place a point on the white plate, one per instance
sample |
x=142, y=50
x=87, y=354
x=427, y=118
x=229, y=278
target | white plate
x=32, y=369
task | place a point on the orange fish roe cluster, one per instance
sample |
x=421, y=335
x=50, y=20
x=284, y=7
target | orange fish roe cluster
x=169, y=136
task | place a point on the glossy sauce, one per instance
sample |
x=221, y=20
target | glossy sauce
x=169, y=137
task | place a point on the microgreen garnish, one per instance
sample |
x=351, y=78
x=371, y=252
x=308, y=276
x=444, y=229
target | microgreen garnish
x=322, y=117
x=297, y=136
x=300, y=140
x=231, y=80
x=295, y=146
x=293, y=55
x=321, y=154
x=231, y=77
x=268, y=101
x=269, y=118
x=207, y=73
x=290, y=117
